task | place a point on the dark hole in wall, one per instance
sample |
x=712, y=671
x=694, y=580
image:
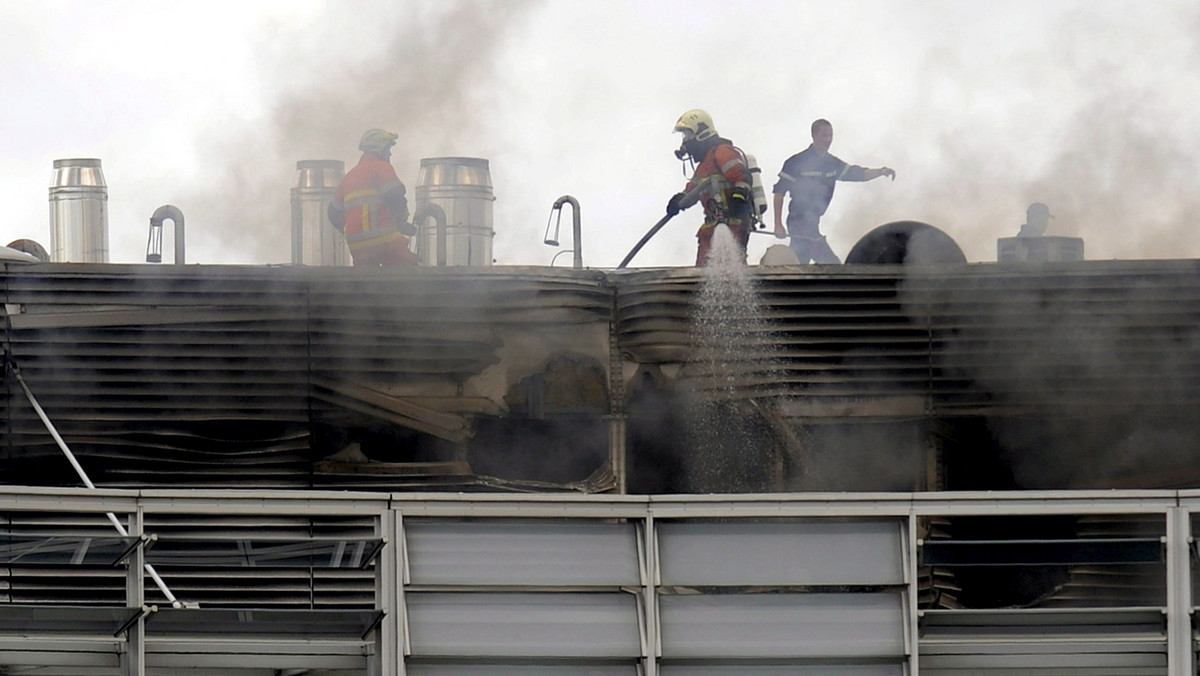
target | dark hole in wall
x=557, y=450
x=381, y=442
x=675, y=444
x=656, y=442
x=1010, y=586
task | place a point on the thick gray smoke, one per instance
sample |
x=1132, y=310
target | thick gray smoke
x=1120, y=175
x=1115, y=150
x=424, y=79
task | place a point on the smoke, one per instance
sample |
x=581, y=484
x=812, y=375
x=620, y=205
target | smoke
x=1100, y=391
x=1096, y=122
x=422, y=74
x=1088, y=378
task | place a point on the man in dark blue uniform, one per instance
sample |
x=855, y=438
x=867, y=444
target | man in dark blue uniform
x=810, y=177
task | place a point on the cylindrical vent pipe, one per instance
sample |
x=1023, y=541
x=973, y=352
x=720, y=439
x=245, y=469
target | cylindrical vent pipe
x=315, y=241
x=78, y=212
x=429, y=210
x=462, y=187
x=154, y=246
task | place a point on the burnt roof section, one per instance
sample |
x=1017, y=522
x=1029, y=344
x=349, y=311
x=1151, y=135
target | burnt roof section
x=214, y=375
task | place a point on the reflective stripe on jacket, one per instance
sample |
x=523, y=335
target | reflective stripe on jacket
x=364, y=197
x=722, y=170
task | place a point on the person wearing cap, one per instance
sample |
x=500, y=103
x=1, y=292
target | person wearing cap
x=810, y=176
x=370, y=206
x=1037, y=219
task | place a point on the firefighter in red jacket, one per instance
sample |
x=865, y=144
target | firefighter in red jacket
x=370, y=206
x=723, y=177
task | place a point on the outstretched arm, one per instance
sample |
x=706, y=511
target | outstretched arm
x=853, y=172
x=870, y=174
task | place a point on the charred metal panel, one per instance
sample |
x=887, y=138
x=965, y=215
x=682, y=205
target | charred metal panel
x=219, y=375
x=1023, y=375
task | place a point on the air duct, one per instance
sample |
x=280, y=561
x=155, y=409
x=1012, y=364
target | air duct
x=154, y=245
x=429, y=210
x=78, y=212
x=314, y=239
x=32, y=248
x=905, y=243
x=462, y=187
x=575, y=228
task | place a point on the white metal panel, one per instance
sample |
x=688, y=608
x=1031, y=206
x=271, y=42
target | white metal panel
x=797, y=553
x=986, y=625
x=541, y=552
x=1117, y=670
x=844, y=626
x=480, y=624
x=523, y=670
x=1049, y=642
x=783, y=670
x=75, y=651
x=1118, y=664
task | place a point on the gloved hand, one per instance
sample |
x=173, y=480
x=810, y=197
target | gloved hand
x=673, y=204
x=406, y=228
x=739, y=203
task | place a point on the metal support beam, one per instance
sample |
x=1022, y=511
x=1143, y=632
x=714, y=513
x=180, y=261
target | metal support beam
x=1180, y=654
x=617, y=428
x=133, y=660
x=653, y=579
x=616, y=451
x=911, y=635
x=387, y=660
x=400, y=577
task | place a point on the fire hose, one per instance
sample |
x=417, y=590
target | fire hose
x=645, y=238
x=689, y=199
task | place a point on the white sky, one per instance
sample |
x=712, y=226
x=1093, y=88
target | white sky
x=980, y=106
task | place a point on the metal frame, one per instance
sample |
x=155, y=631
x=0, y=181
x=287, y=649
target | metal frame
x=387, y=647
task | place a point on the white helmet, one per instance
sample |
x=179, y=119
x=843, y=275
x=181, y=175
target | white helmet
x=377, y=141
x=696, y=124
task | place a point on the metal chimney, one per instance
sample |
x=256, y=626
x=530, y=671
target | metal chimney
x=314, y=239
x=462, y=187
x=78, y=212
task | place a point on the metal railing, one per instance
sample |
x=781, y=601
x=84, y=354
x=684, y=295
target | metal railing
x=365, y=583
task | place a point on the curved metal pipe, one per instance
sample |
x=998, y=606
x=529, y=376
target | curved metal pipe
x=424, y=212
x=555, y=257
x=576, y=228
x=154, y=246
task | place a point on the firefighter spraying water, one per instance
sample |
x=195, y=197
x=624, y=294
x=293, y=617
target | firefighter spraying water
x=723, y=175
x=724, y=180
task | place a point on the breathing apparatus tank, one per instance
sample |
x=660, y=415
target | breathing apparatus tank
x=757, y=193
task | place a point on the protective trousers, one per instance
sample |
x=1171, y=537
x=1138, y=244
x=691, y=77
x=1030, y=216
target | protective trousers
x=807, y=240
